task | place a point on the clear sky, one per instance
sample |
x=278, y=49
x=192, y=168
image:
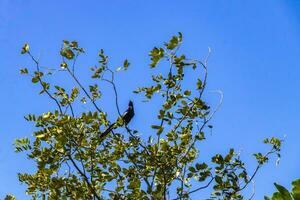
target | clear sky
x=255, y=62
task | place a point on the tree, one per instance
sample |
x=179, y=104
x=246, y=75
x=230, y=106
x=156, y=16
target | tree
x=74, y=161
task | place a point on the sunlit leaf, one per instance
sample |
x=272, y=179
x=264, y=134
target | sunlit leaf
x=25, y=48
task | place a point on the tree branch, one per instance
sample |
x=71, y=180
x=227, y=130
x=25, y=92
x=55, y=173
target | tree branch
x=84, y=90
x=40, y=81
x=84, y=177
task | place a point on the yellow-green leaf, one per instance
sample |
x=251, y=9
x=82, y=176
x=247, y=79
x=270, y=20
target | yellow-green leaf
x=25, y=48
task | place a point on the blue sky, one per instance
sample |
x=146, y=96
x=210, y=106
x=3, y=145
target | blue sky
x=255, y=62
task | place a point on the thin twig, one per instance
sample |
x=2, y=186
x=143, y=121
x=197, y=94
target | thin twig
x=74, y=62
x=203, y=187
x=182, y=181
x=71, y=108
x=256, y=169
x=40, y=81
x=84, y=90
x=253, y=190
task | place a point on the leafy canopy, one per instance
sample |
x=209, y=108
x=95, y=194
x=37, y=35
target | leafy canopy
x=73, y=161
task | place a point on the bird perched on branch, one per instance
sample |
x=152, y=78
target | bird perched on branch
x=128, y=114
x=126, y=117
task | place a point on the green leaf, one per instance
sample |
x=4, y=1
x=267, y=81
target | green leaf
x=174, y=42
x=192, y=169
x=94, y=89
x=190, y=175
x=35, y=79
x=40, y=135
x=60, y=89
x=201, y=166
x=83, y=100
x=25, y=48
x=22, y=144
x=10, y=197
x=218, y=179
x=67, y=53
x=24, y=71
x=66, y=42
x=260, y=158
x=283, y=191
x=187, y=92
x=46, y=86
x=155, y=126
x=180, y=36
x=63, y=65
x=296, y=189
x=199, y=84
x=126, y=64
x=160, y=130
x=266, y=140
x=74, y=93
x=73, y=44
x=156, y=54
x=134, y=184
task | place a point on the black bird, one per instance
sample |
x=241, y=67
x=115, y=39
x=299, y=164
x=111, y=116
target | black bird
x=127, y=116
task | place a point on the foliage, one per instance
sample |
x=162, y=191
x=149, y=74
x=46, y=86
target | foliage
x=9, y=197
x=74, y=162
x=284, y=194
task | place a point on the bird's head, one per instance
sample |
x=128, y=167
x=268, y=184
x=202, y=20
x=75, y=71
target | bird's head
x=130, y=104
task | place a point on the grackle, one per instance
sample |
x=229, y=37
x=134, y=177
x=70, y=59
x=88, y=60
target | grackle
x=127, y=116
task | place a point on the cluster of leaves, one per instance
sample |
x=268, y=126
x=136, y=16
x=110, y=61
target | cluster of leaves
x=74, y=161
x=284, y=194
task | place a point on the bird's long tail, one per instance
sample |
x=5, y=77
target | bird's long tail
x=107, y=131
